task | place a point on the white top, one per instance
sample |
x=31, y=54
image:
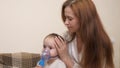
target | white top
x=72, y=49
x=56, y=64
x=72, y=46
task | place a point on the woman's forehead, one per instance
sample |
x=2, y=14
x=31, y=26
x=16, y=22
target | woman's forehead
x=68, y=9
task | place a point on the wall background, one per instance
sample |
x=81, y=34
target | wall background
x=24, y=23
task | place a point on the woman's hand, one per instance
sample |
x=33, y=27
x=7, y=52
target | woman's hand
x=62, y=49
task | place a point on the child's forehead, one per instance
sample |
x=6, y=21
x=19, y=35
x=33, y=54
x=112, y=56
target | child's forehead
x=49, y=41
x=49, y=38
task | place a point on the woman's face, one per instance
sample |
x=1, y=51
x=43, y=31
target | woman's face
x=71, y=21
x=49, y=43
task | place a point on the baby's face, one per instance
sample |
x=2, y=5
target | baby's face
x=49, y=43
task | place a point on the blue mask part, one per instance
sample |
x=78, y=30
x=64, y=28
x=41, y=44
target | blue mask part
x=41, y=63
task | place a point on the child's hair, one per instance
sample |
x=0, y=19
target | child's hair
x=54, y=35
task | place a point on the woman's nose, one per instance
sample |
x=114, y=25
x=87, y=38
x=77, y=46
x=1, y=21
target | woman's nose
x=66, y=22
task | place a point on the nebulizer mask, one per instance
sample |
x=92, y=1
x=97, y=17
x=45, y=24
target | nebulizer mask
x=44, y=57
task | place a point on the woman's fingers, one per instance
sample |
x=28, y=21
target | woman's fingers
x=62, y=41
x=58, y=42
x=61, y=48
x=60, y=45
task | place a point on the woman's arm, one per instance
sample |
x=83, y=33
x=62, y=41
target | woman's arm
x=62, y=49
x=68, y=61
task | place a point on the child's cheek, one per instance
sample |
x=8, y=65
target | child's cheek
x=53, y=52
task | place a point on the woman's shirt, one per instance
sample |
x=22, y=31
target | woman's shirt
x=72, y=49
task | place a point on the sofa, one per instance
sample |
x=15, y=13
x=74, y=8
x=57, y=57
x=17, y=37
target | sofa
x=19, y=60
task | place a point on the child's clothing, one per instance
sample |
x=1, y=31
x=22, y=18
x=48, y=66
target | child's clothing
x=56, y=64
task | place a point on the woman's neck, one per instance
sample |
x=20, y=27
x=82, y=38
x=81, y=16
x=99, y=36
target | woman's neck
x=78, y=34
x=79, y=42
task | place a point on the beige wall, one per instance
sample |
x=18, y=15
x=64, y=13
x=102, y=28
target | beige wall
x=24, y=23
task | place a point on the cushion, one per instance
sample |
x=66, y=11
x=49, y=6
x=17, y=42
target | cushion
x=19, y=60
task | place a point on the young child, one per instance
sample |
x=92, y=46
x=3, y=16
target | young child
x=53, y=61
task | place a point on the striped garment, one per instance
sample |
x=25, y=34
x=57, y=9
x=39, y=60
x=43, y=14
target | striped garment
x=18, y=60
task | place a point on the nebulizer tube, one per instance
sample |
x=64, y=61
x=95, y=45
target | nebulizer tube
x=44, y=58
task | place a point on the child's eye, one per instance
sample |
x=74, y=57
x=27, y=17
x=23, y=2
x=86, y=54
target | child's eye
x=44, y=46
x=50, y=47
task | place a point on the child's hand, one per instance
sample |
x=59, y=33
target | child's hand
x=38, y=67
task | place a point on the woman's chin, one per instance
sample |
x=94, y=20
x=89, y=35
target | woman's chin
x=71, y=31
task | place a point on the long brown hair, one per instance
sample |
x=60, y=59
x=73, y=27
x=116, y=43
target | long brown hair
x=98, y=49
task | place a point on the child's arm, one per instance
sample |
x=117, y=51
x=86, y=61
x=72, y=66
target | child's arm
x=38, y=67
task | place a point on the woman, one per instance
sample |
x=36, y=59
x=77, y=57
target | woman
x=88, y=45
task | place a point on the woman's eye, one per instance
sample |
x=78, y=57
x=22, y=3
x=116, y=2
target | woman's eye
x=70, y=19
